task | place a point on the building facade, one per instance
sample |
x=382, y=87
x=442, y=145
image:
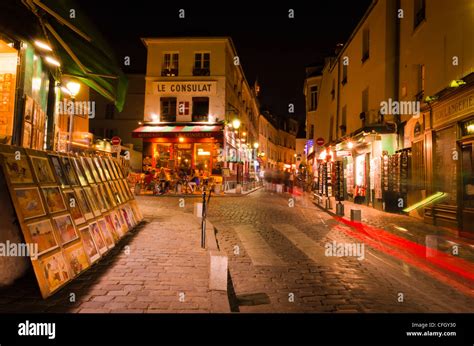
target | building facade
x=200, y=112
x=393, y=114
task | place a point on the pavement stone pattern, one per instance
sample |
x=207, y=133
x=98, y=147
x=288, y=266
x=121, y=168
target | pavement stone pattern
x=165, y=271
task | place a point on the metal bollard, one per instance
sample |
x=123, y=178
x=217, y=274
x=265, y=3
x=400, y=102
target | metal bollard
x=356, y=215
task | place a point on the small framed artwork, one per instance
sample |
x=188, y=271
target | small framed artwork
x=110, y=167
x=74, y=207
x=86, y=170
x=55, y=271
x=126, y=190
x=108, y=175
x=54, y=199
x=92, y=199
x=42, y=234
x=120, y=191
x=109, y=240
x=26, y=140
x=106, y=197
x=28, y=113
x=66, y=229
x=58, y=169
x=119, y=169
x=42, y=169
x=127, y=218
x=116, y=234
x=130, y=213
x=89, y=245
x=124, y=224
x=98, y=239
x=29, y=202
x=79, y=171
x=99, y=198
x=68, y=170
x=110, y=194
x=87, y=162
x=136, y=210
x=16, y=167
x=99, y=168
x=120, y=227
x=76, y=258
x=83, y=203
x=115, y=193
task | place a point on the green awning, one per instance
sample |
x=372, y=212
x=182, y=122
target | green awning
x=83, y=52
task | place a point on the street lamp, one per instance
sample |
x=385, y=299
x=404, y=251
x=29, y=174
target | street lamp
x=73, y=89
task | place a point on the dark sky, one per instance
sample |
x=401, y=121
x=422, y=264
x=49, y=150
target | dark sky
x=269, y=44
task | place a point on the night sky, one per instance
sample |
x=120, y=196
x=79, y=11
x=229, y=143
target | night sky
x=271, y=46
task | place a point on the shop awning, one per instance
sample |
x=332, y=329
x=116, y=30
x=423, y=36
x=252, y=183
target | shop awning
x=84, y=54
x=170, y=131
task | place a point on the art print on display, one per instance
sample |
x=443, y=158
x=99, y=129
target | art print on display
x=136, y=210
x=41, y=233
x=110, y=167
x=79, y=171
x=76, y=258
x=103, y=192
x=83, y=203
x=54, y=199
x=108, y=175
x=86, y=169
x=55, y=271
x=74, y=206
x=17, y=168
x=99, y=198
x=116, y=234
x=58, y=169
x=89, y=245
x=127, y=218
x=27, y=129
x=99, y=168
x=115, y=193
x=109, y=240
x=29, y=106
x=67, y=231
x=87, y=161
x=98, y=238
x=120, y=227
x=131, y=214
x=110, y=194
x=42, y=168
x=69, y=171
x=29, y=202
x=92, y=199
x=119, y=169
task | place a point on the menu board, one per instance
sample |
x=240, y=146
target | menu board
x=70, y=220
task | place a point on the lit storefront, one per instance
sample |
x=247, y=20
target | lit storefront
x=182, y=147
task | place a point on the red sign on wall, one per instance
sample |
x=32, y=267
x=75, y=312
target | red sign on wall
x=320, y=141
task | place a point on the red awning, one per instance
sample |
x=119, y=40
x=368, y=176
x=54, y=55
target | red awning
x=172, y=131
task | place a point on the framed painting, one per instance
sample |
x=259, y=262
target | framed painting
x=109, y=239
x=42, y=234
x=116, y=234
x=105, y=169
x=110, y=195
x=89, y=245
x=110, y=167
x=26, y=136
x=16, y=166
x=86, y=169
x=87, y=161
x=106, y=197
x=131, y=214
x=79, y=171
x=92, y=199
x=127, y=218
x=99, y=168
x=54, y=199
x=66, y=229
x=83, y=203
x=74, y=207
x=120, y=227
x=28, y=112
x=120, y=191
x=119, y=169
x=58, y=169
x=29, y=202
x=55, y=272
x=69, y=171
x=127, y=188
x=98, y=239
x=115, y=193
x=136, y=210
x=42, y=168
x=76, y=258
x=99, y=198
x=125, y=227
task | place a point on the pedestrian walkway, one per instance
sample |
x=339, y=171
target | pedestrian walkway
x=159, y=267
x=408, y=227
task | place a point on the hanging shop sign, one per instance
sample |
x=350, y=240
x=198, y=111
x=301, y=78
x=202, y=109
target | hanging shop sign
x=195, y=88
x=72, y=209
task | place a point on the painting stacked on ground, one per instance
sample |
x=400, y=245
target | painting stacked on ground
x=73, y=209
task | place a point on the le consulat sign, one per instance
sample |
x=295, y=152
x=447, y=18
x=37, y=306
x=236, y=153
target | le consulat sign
x=184, y=87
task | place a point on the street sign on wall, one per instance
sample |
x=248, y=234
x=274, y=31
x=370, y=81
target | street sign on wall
x=116, y=140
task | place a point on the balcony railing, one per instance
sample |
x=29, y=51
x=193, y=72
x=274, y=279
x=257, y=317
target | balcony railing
x=201, y=72
x=169, y=72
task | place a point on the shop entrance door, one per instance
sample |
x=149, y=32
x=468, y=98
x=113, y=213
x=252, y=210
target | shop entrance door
x=467, y=186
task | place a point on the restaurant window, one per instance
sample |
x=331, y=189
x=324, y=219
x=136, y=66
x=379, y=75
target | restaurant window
x=200, y=108
x=109, y=111
x=170, y=64
x=8, y=65
x=203, y=156
x=365, y=44
x=419, y=12
x=168, y=108
x=313, y=98
x=202, y=64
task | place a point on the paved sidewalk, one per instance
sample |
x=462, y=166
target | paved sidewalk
x=165, y=271
x=407, y=227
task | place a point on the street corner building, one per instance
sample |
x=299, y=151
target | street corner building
x=390, y=116
x=200, y=112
